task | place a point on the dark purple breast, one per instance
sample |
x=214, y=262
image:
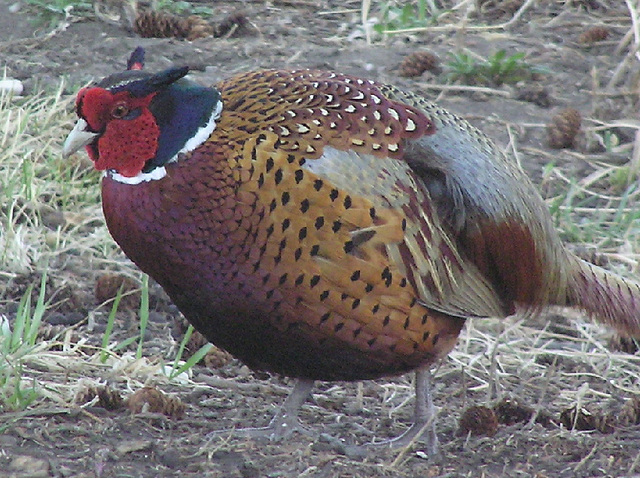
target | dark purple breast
x=189, y=233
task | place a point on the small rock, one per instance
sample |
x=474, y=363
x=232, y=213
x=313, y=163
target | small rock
x=171, y=458
x=10, y=86
x=25, y=465
x=133, y=446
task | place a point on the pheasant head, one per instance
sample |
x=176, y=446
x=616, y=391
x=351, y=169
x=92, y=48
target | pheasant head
x=133, y=123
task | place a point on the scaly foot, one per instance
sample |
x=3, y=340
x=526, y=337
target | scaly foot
x=285, y=422
x=424, y=415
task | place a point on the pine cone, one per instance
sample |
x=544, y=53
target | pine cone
x=630, y=414
x=536, y=94
x=214, y=358
x=234, y=24
x=590, y=4
x=152, y=400
x=417, y=63
x=563, y=128
x=589, y=254
x=478, y=421
x=575, y=418
x=198, y=28
x=509, y=411
x=594, y=35
x=108, y=398
x=108, y=285
x=493, y=9
x=153, y=24
x=627, y=345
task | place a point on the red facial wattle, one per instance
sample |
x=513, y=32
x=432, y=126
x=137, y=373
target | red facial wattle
x=128, y=132
x=126, y=146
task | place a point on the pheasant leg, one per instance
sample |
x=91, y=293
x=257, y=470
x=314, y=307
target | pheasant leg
x=424, y=416
x=285, y=422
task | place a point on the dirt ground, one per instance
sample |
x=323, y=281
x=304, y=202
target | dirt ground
x=552, y=364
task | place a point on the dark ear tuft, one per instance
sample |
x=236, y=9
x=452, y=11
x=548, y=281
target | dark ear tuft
x=151, y=84
x=166, y=77
x=136, y=60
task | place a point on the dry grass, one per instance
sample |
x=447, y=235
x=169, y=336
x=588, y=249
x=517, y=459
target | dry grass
x=50, y=219
x=50, y=206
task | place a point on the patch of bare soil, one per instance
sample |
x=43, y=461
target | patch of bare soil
x=540, y=378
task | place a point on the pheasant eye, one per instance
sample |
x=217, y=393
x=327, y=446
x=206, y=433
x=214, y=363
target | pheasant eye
x=119, y=110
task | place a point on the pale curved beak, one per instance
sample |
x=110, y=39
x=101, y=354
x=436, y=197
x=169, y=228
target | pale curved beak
x=78, y=138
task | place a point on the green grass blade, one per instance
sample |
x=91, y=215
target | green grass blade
x=144, y=314
x=33, y=325
x=193, y=360
x=106, y=337
x=20, y=324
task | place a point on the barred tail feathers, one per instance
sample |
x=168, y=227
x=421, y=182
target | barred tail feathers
x=609, y=298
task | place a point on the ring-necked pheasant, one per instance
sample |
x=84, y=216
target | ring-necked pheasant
x=326, y=227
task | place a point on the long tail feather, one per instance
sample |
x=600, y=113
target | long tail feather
x=609, y=298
